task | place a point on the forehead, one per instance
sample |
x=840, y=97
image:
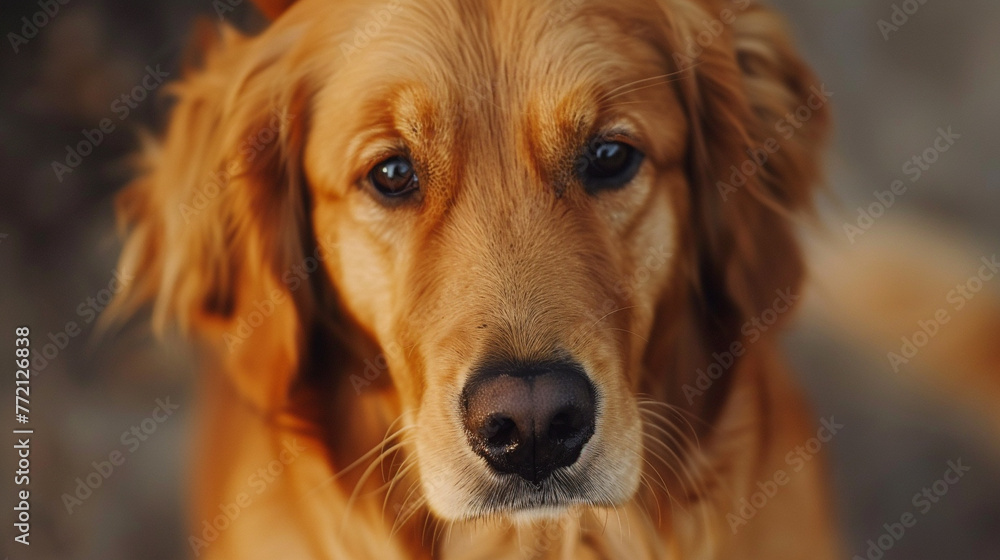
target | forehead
x=479, y=44
x=455, y=73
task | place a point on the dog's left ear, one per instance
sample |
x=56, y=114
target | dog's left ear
x=759, y=119
x=218, y=226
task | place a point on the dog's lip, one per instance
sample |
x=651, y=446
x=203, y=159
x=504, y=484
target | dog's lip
x=533, y=505
x=527, y=484
x=512, y=495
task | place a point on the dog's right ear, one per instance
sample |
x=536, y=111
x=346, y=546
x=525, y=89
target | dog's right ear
x=218, y=222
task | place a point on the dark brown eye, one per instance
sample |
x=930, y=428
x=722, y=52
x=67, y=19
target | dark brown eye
x=394, y=177
x=608, y=165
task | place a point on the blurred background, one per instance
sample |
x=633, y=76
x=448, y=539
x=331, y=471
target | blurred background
x=894, y=87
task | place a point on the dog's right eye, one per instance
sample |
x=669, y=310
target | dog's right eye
x=608, y=165
x=394, y=177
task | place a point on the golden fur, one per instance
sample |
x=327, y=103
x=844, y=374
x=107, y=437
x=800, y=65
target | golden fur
x=347, y=326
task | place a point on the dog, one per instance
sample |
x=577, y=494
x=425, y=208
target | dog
x=491, y=280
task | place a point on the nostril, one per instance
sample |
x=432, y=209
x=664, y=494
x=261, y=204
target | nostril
x=499, y=431
x=563, y=426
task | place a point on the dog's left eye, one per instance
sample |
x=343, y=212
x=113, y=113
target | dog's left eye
x=608, y=165
x=394, y=177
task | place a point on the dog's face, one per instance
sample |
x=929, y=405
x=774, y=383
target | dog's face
x=503, y=210
x=522, y=203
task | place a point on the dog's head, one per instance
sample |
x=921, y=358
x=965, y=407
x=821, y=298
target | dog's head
x=537, y=210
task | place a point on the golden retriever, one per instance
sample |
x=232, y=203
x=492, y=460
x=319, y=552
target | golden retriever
x=492, y=280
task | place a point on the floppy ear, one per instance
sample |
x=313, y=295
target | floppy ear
x=759, y=119
x=217, y=224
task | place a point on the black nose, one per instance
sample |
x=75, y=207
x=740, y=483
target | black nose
x=531, y=418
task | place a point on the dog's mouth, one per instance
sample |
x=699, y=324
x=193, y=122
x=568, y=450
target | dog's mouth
x=588, y=482
x=513, y=496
